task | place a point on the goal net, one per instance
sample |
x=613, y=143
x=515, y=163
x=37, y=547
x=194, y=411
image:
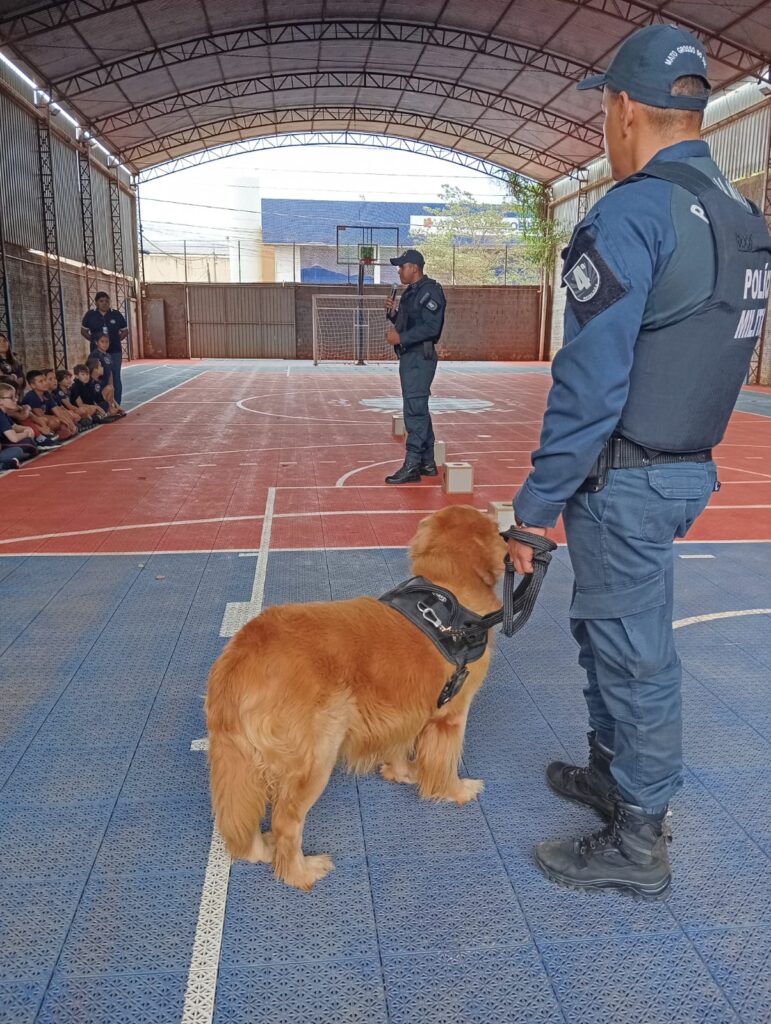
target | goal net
x=351, y=328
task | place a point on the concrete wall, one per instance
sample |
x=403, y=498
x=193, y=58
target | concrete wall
x=495, y=323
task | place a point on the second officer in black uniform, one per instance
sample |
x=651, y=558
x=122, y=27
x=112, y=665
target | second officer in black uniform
x=417, y=326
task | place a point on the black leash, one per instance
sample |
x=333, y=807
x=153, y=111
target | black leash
x=519, y=600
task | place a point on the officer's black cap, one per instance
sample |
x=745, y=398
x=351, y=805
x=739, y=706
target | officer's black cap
x=648, y=63
x=409, y=256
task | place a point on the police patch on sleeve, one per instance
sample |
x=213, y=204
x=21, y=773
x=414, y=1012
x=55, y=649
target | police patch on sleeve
x=592, y=285
x=433, y=306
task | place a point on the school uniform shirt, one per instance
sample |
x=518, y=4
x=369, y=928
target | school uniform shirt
x=106, y=361
x=39, y=403
x=6, y=424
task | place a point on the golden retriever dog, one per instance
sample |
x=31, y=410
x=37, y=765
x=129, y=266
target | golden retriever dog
x=305, y=686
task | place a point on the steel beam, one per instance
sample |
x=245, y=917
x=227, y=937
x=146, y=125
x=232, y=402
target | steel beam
x=87, y=217
x=6, y=326
x=53, y=264
x=121, y=288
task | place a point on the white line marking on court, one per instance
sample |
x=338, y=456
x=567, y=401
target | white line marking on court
x=238, y=613
x=126, y=470
x=719, y=615
x=371, y=465
x=202, y=976
x=753, y=472
x=696, y=556
x=75, y=472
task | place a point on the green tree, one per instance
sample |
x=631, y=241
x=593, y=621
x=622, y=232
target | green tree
x=467, y=242
x=542, y=237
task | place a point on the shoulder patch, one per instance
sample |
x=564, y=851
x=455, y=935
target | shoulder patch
x=592, y=285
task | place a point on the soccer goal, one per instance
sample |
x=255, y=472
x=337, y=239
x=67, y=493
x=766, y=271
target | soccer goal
x=350, y=328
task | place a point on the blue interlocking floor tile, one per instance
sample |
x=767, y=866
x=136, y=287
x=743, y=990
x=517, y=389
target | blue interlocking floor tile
x=658, y=979
x=353, y=573
x=19, y=1001
x=333, y=824
x=451, y=902
x=342, y=992
x=20, y=718
x=745, y=793
x=122, y=999
x=61, y=776
x=156, y=838
x=474, y=986
x=720, y=879
x=268, y=922
x=133, y=923
x=297, y=576
x=34, y=917
x=45, y=842
x=166, y=770
x=176, y=715
x=98, y=722
x=740, y=962
x=396, y=820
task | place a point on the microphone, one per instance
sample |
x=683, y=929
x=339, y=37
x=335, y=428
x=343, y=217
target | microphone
x=392, y=296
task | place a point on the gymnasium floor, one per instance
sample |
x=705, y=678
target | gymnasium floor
x=128, y=556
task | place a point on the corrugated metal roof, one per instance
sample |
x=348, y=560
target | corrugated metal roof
x=495, y=80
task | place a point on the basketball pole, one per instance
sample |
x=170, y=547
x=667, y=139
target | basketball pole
x=360, y=318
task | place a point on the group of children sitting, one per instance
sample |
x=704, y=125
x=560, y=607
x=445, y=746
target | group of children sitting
x=55, y=407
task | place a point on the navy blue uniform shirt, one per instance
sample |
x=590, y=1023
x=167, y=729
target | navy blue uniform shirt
x=104, y=359
x=652, y=262
x=6, y=424
x=40, y=403
x=420, y=316
x=95, y=322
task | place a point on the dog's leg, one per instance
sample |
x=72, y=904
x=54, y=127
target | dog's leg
x=399, y=767
x=294, y=799
x=438, y=755
x=261, y=851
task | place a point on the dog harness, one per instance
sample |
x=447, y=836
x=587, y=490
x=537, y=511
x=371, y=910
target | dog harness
x=457, y=632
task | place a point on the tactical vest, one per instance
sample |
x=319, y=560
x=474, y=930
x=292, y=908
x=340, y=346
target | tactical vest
x=686, y=376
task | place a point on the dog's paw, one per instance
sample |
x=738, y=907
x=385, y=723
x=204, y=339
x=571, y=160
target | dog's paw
x=467, y=790
x=400, y=773
x=312, y=870
x=262, y=849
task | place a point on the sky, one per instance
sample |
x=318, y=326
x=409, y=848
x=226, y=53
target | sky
x=214, y=201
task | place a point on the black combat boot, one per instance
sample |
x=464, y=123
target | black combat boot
x=592, y=785
x=428, y=468
x=629, y=854
x=408, y=474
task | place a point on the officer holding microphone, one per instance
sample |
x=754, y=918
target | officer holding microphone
x=417, y=321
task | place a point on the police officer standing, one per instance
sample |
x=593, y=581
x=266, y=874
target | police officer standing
x=417, y=326
x=110, y=322
x=666, y=296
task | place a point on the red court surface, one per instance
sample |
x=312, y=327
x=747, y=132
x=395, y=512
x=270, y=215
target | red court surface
x=191, y=469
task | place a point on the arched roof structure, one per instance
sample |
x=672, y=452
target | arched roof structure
x=159, y=80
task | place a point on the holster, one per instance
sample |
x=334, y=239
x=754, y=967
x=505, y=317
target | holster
x=598, y=474
x=428, y=349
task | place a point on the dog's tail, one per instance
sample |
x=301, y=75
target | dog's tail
x=239, y=790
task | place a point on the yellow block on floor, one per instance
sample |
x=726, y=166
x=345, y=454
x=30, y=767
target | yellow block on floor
x=458, y=478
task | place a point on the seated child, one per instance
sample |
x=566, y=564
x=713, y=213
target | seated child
x=104, y=395
x=108, y=383
x=66, y=381
x=72, y=417
x=21, y=415
x=42, y=407
x=17, y=444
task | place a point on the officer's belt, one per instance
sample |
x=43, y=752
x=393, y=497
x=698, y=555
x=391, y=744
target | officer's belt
x=458, y=633
x=626, y=454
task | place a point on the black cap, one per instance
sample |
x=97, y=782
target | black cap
x=409, y=256
x=647, y=65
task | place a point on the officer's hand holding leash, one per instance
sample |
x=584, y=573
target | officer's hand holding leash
x=521, y=555
x=392, y=337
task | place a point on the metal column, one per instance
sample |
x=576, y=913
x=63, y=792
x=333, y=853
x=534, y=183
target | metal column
x=87, y=216
x=53, y=265
x=117, y=246
x=5, y=289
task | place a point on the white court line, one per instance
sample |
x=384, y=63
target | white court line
x=695, y=556
x=694, y=619
x=202, y=976
x=238, y=613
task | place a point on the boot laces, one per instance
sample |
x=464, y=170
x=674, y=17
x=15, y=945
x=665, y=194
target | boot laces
x=607, y=836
